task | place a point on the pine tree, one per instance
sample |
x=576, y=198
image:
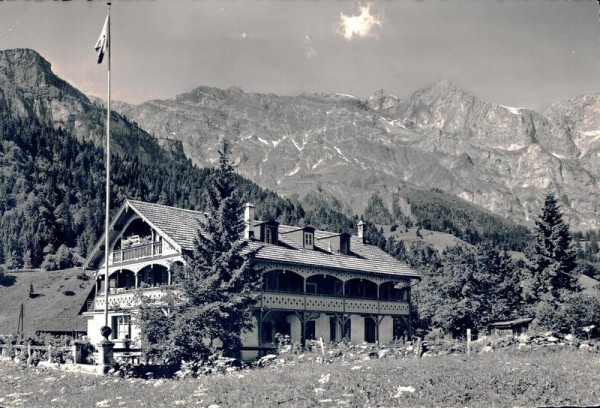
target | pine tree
x=551, y=257
x=218, y=280
x=498, y=284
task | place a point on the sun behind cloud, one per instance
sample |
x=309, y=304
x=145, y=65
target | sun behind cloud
x=360, y=25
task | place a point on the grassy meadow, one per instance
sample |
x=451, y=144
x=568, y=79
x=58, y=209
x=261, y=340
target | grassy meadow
x=506, y=378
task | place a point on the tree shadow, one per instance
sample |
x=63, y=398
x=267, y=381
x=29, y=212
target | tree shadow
x=7, y=280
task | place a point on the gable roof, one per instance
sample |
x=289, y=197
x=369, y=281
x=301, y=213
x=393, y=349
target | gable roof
x=181, y=226
x=176, y=225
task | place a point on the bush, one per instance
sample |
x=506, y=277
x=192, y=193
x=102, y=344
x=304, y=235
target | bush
x=549, y=316
x=6, y=280
x=580, y=311
x=63, y=258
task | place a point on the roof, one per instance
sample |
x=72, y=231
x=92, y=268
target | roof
x=363, y=257
x=50, y=309
x=512, y=323
x=181, y=225
x=176, y=224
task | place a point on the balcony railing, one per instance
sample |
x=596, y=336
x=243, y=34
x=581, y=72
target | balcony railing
x=137, y=252
x=317, y=303
x=275, y=301
x=128, y=299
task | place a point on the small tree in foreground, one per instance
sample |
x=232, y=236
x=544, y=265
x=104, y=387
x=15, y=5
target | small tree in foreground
x=212, y=307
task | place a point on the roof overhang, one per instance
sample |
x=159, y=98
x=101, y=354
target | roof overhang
x=115, y=229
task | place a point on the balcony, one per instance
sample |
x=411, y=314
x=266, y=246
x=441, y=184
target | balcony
x=137, y=252
x=127, y=299
x=316, y=303
x=274, y=301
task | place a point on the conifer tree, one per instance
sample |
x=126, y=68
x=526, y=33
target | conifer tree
x=217, y=281
x=551, y=257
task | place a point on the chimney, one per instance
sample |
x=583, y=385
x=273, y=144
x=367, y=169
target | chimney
x=361, y=230
x=249, y=220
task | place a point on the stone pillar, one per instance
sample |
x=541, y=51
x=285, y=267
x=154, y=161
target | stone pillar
x=76, y=350
x=105, y=355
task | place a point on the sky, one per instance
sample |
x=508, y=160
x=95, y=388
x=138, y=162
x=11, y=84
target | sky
x=522, y=53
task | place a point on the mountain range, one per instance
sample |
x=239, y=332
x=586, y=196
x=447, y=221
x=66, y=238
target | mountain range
x=501, y=158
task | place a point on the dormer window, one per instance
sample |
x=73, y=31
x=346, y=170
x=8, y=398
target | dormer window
x=308, y=239
x=269, y=236
x=269, y=232
x=344, y=247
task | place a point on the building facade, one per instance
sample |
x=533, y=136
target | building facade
x=316, y=284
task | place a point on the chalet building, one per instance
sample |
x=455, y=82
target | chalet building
x=316, y=284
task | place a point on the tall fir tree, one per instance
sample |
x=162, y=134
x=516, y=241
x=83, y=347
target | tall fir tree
x=218, y=280
x=551, y=257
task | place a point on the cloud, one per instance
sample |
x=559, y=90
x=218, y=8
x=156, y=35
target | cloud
x=310, y=51
x=360, y=25
x=244, y=35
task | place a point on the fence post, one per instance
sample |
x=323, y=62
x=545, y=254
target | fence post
x=28, y=354
x=468, y=342
x=77, y=353
x=49, y=353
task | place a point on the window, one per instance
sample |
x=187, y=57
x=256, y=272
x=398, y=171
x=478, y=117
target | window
x=267, y=332
x=269, y=235
x=311, y=330
x=370, y=330
x=121, y=326
x=337, y=288
x=308, y=240
x=333, y=325
x=283, y=328
x=344, y=247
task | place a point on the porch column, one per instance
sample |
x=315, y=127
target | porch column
x=169, y=275
x=409, y=319
x=136, y=285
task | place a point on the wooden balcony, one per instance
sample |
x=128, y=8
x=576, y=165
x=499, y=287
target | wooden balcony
x=274, y=301
x=127, y=299
x=317, y=303
x=137, y=252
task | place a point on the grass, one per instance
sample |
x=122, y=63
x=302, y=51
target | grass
x=52, y=307
x=564, y=377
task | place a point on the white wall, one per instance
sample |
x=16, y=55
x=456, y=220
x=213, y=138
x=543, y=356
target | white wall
x=250, y=338
x=322, y=327
x=386, y=330
x=295, y=328
x=357, y=329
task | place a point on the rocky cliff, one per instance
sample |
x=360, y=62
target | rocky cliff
x=502, y=158
x=29, y=88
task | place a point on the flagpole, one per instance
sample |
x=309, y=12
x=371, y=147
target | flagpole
x=107, y=218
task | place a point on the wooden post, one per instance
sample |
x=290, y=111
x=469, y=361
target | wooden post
x=50, y=354
x=468, y=342
x=28, y=354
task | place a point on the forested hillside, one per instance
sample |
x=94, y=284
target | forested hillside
x=435, y=210
x=52, y=192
